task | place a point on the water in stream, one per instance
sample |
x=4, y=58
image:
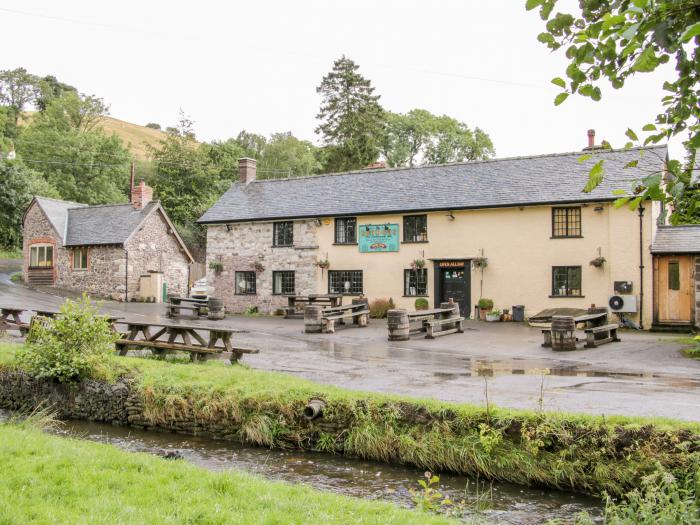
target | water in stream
x=501, y=502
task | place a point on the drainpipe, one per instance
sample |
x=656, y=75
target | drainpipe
x=126, y=276
x=641, y=266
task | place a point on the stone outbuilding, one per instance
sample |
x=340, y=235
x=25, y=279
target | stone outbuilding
x=676, y=252
x=106, y=251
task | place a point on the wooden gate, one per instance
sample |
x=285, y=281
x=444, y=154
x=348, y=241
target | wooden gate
x=673, y=288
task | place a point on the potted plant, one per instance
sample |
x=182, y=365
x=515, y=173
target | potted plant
x=216, y=266
x=485, y=305
x=417, y=264
x=493, y=316
x=258, y=267
x=324, y=264
x=479, y=263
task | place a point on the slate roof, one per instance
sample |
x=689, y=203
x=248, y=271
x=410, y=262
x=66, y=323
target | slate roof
x=677, y=239
x=57, y=213
x=112, y=224
x=518, y=181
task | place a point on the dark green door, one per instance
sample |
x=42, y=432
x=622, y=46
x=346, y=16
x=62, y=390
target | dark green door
x=454, y=284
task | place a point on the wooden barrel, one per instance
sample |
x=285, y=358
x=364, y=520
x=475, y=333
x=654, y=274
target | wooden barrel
x=312, y=319
x=215, y=308
x=563, y=332
x=397, y=322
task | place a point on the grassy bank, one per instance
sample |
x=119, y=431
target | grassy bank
x=48, y=479
x=10, y=253
x=566, y=451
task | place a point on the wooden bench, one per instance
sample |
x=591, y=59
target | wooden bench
x=175, y=310
x=197, y=353
x=295, y=303
x=600, y=335
x=358, y=312
x=10, y=319
x=431, y=324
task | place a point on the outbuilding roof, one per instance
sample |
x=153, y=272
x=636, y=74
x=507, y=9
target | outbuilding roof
x=56, y=212
x=111, y=224
x=677, y=239
x=518, y=181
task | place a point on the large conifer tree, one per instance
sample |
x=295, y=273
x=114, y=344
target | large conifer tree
x=352, y=121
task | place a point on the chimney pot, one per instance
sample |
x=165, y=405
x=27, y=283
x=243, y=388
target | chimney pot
x=141, y=195
x=247, y=169
x=591, y=138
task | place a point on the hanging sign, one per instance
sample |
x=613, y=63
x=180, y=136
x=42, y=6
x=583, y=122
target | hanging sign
x=379, y=238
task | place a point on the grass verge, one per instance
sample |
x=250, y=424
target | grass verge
x=10, y=253
x=49, y=479
x=566, y=451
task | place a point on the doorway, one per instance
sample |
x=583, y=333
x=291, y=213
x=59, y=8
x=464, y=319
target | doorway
x=674, y=277
x=452, y=281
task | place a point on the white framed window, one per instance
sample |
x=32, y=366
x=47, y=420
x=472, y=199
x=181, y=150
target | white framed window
x=41, y=256
x=80, y=258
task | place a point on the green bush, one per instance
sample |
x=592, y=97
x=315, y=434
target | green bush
x=422, y=303
x=379, y=308
x=485, y=304
x=251, y=311
x=73, y=346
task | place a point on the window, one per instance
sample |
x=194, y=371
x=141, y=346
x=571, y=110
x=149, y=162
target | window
x=415, y=282
x=674, y=275
x=566, y=281
x=283, y=283
x=345, y=282
x=245, y=283
x=41, y=256
x=415, y=228
x=346, y=230
x=283, y=233
x=566, y=222
x=80, y=259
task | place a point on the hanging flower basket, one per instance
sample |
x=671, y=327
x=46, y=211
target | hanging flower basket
x=417, y=264
x=324, y=264
x=258, y=266
x=598, y=262
x=216, y=266
x=479, y=262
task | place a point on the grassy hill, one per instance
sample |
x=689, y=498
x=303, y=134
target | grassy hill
x=135, y=137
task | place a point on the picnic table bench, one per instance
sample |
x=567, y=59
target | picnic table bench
x=437, y=322
x=317, y=319
x=596, y=327
x=11, y=319
x=296, y=303
x=176, y=305
x=199, y=347
x=52, y=314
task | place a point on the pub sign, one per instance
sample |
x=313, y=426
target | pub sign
x=379, y=238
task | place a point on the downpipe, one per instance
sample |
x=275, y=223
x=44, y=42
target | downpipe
x=314, y=409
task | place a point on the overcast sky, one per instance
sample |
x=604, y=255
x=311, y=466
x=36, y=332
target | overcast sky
x=255, y=65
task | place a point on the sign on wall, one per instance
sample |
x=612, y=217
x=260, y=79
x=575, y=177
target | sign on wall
x=379, y=238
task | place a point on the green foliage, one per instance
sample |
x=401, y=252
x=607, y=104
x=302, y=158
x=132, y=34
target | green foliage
x=19, y=185
x=17, y=91
x=421, y=304
x=352, y=120
x=251, y=311
x=485, y=304
x=419, y=137
x=694, y=351
x=75, y=345
x=613, y=41
x=153, y=125
x=379, y=307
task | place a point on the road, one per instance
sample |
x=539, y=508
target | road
x=644, y=375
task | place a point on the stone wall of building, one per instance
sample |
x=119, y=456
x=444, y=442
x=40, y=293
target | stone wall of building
x=237, y=247
x=155, y=248
x=697, y=291
x=38, y=230
x=104, y=276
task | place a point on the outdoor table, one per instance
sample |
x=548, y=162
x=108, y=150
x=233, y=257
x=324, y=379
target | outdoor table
x=296, y=301
x=52, y=314
x=11, y=318
x=593, y=319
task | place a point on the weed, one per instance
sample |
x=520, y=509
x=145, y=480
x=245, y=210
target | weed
x=379, y=307
x=429, y=498
x=251, y=311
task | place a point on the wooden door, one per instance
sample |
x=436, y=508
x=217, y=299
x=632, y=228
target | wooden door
x=674, y=278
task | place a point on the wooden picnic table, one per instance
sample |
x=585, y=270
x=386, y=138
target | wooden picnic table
x=11, y=318
x=295, y=303
x=198, y=346
x=52, y=314
x=446, y=320
x=597, y=329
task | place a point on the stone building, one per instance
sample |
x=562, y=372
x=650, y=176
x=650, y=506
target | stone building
x=519, y=231
x=103, y=250
x=676, y=251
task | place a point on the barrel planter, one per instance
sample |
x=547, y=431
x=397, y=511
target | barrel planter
x=215, y=308
x=563, y=332
x=397, y=322
x=455, y=313
x=312, y=319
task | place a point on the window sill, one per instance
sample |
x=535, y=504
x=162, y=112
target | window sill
x=567, y=237
x=416, y=296
x=567, y=296
x=80, y=270
x=40, y=268
x=283, y=246
x=344, y=244
x=350, y=294
x=282, y=294
x=246, y=294
x=414, y=242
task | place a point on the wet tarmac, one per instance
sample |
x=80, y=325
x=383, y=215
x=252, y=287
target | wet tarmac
x=644, y=375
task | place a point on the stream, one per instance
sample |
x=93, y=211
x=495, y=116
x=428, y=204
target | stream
x=498, y=502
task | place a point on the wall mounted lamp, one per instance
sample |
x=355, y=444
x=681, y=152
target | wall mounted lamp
x=229, y=227
x=450, y=215
x=318, y=222
x=598, y=208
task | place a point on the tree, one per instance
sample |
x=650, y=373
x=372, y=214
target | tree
x=153, y=125
x=352, y=121
x=48, y=89
x=19, y=185
x=615, y=40
x=419, y=137
x=17, y=90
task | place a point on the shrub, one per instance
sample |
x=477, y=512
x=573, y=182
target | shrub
x=422, y=303
x=251, y=311
x=485, y=304
x=73, y=346
x=379, y=308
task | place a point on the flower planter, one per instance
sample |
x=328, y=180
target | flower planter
x=492, y=318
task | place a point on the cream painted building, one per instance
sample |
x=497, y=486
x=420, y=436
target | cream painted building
x=519, y=231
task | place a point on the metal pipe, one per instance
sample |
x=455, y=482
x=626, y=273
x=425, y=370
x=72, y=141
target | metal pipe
x=126, y=275
x=641, y=266
x=314, y=409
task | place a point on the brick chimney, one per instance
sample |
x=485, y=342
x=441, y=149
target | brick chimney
x=591, y=138
x=246, y=170
x=141, y=195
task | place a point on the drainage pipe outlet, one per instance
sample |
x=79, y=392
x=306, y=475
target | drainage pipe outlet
x=314, y=409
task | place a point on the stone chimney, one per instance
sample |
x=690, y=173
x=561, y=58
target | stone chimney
x=246, y=170
x=141, y=195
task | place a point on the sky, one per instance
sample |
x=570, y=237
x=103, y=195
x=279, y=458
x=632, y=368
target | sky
x=255, y=65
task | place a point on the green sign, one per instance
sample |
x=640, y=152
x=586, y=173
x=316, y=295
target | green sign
x=379, y=238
